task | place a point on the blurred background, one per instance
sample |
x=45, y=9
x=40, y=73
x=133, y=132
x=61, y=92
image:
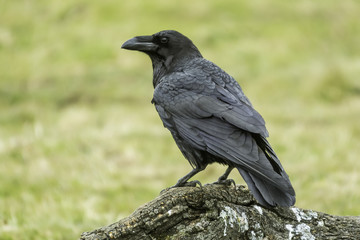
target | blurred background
x=81, y=146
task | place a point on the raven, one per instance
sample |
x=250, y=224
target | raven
x=210, y=118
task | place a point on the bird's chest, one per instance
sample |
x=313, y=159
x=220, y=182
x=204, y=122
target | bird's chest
x=180, y=90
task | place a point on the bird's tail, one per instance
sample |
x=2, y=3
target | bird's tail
x=278, y=191
x=267, y=194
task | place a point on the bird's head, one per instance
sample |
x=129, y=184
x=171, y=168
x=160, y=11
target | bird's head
x=166, y=46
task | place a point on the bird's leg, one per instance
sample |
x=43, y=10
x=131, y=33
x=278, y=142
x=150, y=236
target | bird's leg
x=223, y=178
x=182, y=182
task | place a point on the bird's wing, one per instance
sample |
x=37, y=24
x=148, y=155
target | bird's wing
x=224, y=126
x=237, y=146
x=233, y=111
x=203, y=96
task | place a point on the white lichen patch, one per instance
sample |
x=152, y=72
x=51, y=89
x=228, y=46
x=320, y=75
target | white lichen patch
x=301, y=215
x=259, y=209
x=257, y=234
x=243, y=222
x=231, y=217
x=302, y=230
x=321, y=223
x=290, y=228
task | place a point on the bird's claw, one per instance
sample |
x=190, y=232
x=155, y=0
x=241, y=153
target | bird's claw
x=226, y=182
x=190, y=184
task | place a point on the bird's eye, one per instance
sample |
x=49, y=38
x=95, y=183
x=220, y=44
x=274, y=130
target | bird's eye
x=164, y=40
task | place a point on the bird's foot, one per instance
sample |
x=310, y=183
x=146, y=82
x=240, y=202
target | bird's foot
x=189, y=184
x=184, y=184
x=226, y=182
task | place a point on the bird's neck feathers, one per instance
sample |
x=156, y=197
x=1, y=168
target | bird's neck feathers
x=171, y=63
x=159, y=68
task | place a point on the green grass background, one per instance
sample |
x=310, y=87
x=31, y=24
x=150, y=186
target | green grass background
x=81, y=146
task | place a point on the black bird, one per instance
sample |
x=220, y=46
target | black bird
x=210, y=118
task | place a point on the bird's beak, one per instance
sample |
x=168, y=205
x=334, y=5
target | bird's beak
x=140, y=43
